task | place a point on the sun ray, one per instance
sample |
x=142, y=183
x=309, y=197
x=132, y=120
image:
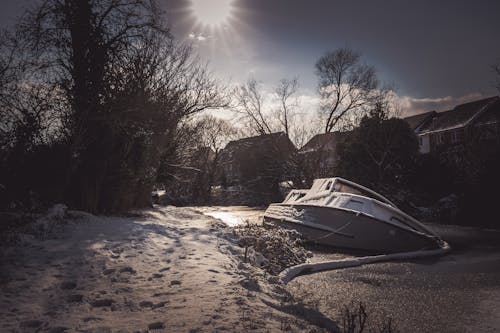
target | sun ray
x=213, y=13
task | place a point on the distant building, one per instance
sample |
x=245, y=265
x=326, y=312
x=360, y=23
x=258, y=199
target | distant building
x=319, y=155
x=449, y=131
x=256, y=160
x=417, y=123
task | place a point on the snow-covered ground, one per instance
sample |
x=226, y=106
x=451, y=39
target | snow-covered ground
x=160, y=270
x=176, y=270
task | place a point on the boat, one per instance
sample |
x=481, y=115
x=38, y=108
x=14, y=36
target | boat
x=342, y=214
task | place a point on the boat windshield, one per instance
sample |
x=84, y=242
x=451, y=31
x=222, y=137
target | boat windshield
x=343, y=187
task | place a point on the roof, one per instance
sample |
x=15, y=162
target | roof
x=492, y=116
x=418, y=120
x=254, y=140
x=460, y=116
x=321, y=140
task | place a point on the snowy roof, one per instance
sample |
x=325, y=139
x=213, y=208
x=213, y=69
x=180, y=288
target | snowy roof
x=461, y=116
x=255, y=140
x=418, y=120
x=265, y=142
x=321, y=140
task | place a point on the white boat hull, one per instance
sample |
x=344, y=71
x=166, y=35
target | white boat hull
x=348, y=229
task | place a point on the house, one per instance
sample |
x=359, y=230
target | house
x=256, y=160
x=450, y=131
x=319, y=155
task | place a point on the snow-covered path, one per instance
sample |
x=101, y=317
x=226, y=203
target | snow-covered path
x=165, y=270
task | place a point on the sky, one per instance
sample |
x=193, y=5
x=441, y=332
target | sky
x=435, y=53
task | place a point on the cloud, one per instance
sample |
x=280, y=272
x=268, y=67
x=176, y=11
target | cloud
x=198, y=37
x=410, y=106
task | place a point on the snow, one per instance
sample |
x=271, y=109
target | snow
x=57, y=211
x=165, y=268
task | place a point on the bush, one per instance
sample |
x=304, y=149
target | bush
x=272, y=248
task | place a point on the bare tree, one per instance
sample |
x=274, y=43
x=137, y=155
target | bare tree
x=250, y=105
x=30, y=107
x=215, y=133
x=280, y=112
x=345, y=85
x=288, y=116
x=285, y=93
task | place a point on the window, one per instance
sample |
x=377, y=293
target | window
x=354, y=205
x=346, y=188
x=340, y=187
x=328, y=186
x=439, y=138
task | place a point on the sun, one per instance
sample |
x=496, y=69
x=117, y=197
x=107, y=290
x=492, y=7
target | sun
x=212, y=13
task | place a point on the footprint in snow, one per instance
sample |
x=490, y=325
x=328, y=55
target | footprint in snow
x=98, y=303
x=32, y=323
x=127, y=269
x=57, y=329
x=146, y=304
x=156, y=326
x=159, y=305
x=74, y=298
x=68, y=285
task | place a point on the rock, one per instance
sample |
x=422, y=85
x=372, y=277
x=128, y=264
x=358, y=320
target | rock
x=175, y=282
x=109, y=271
x=157, y=276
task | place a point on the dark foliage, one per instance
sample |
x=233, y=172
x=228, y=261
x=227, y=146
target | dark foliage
x=478, y=201
x=379, y=153
x=93, y=97
x=431, y=179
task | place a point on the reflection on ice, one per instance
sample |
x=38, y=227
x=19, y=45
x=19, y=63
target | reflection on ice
x=231, y=219
x=235, y=215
